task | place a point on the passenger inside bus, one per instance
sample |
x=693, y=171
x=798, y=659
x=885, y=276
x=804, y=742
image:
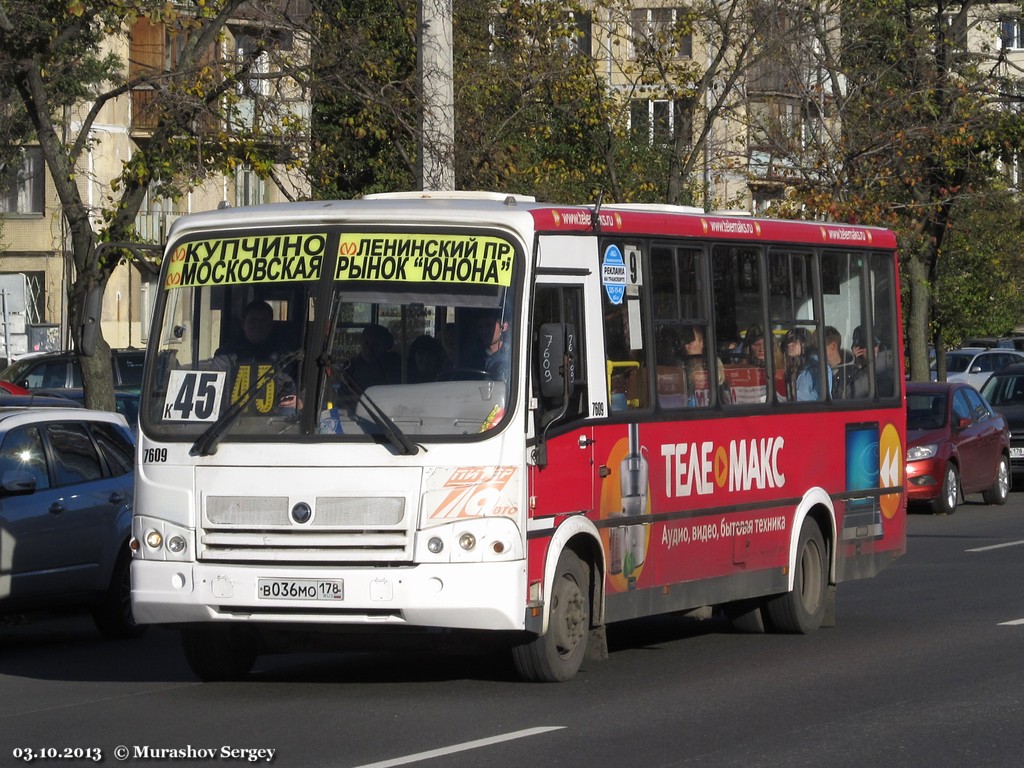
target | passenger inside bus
x=257, y=341
x=377, y=362
x=794, y=346
x=251, y=354
x=492, y=354
x=427, y=360
x=840, y=364
x=808, y=380
x=883, y=366
x=695, y=360
x=756, y=345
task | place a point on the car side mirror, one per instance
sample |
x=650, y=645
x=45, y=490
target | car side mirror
x=975, y=369
x=17, y=482
x=963, y=423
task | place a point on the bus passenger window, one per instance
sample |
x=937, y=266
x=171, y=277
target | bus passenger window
x=624, y=355
x=682, y=373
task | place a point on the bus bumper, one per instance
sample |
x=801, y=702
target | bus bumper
x=488, y=596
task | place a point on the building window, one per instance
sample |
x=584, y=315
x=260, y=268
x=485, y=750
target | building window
x=252, y=52
x=782, y=126
x=661, y=121
x=956, y=25
x=21, y=188
x=583, y=35
x=1013, y=169
x=660, y=31
x=249, y=188
x=1011, y=33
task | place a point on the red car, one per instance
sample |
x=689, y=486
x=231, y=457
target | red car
x=7, y=387
x=956, y=444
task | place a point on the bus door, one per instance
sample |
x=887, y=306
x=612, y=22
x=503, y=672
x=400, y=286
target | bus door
x=563, y=476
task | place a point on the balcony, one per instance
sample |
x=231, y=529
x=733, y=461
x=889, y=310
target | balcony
x=152, y=226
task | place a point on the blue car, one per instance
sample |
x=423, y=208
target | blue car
x=66, y=496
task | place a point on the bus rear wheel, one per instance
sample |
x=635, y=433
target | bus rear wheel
x=217, y=653
x=558, y=654
x=802, y=610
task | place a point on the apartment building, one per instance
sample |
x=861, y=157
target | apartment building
x=35, y=260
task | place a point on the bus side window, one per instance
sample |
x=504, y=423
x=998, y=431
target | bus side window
x=738, y=274
x=625, y=362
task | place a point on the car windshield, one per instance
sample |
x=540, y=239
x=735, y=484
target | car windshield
x=926, y=410
x=1004, y=390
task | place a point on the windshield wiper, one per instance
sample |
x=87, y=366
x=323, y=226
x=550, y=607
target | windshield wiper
x=392, y=431
x=206, y=444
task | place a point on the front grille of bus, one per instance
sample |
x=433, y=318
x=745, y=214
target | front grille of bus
x=342, y=529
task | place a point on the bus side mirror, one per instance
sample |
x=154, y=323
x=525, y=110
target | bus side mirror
x=556, y=360
x=556, y=367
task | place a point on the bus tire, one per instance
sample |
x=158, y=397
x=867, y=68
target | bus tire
x=217, y=653
x=113, y=616
x=1000, y=490
x=558, y=654
x=802, y=609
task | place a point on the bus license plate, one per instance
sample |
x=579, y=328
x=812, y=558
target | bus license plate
x=300, y=589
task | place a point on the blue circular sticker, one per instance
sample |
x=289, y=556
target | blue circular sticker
x=613, y=274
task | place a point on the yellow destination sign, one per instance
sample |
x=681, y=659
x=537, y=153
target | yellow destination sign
x=260, y=259
x=436, y=258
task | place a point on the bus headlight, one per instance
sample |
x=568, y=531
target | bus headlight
x=483, y=540
x=157, y=539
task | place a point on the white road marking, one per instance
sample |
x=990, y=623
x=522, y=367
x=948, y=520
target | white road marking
x=462, y=747
x=998, y=546
x=1013, y=623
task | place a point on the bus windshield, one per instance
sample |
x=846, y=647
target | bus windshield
x=375, y=354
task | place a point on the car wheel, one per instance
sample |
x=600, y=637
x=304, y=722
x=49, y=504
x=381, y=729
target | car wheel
x=949, y=495
x=1000, y=490
x=113, y=617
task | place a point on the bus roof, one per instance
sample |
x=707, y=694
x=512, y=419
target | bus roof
x=496, y=207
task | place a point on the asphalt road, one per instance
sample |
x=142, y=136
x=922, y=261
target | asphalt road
x=924, y=668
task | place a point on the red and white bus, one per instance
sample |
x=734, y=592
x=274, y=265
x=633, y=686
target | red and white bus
x=473, y=411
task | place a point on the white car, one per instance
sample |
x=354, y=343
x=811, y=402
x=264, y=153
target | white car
x=974, y=365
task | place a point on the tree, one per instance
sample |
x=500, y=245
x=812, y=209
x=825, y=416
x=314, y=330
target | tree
x=551, y=97
x=208, y=113
x=980, y=285
x=921, y=102
x=365, y=128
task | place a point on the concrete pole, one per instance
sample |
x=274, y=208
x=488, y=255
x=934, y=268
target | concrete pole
x=437, y=142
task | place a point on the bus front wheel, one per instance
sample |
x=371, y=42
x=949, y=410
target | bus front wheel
x=802, y=610
x=558, y=654
x=217, y=653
